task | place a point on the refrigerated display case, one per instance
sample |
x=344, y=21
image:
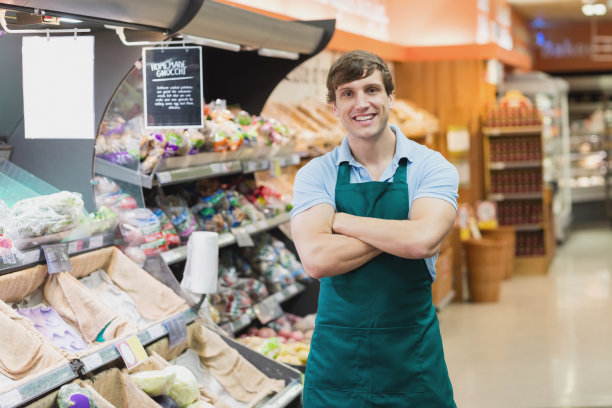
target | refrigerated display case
x=550, y=95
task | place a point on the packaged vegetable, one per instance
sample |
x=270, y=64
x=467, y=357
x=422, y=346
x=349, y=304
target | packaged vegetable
x=155, y=382
x=74, y=395
x=140, y=228
x=45, y=215
x=184, y=388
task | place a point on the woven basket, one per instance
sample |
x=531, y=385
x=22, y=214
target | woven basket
x=485, y=271
x=506, y=234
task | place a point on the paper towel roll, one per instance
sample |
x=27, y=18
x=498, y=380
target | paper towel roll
x=201, y=268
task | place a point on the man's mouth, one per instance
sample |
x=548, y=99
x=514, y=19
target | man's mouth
x=364, y=118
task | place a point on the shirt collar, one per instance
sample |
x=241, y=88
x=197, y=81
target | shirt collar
x=403, y=148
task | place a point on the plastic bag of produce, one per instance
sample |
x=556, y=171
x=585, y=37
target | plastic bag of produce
x=45, y=215
x=142, y=234
x=180, y=215
x=167, y=227
x=108, y=194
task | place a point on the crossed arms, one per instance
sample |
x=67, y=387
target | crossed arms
x=331, y=243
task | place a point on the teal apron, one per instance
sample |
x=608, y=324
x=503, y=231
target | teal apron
x=377, y=341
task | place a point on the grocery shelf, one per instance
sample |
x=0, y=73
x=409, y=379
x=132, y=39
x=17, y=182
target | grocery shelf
x=117, y=172
x=528, y=227
x=514, y=196
x=37, y=387
x=584, y=107
x=226, y=239
x=526, y=164
x=249, y=316
x=181, y=169
x=198, y=172
x=285, y=397
x=108, y=354
x=511, y=130
x=588, y=193
x=36, y=256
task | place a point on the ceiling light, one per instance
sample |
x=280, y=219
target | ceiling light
x=269, y=52
x=69, y=20
x=598, y=9
x=209, y=42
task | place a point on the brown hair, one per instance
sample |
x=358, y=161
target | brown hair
x=355, y=65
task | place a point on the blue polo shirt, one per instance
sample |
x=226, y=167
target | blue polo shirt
x=428, y=174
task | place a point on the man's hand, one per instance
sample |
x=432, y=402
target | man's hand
x=419, y=237
x=323, y=253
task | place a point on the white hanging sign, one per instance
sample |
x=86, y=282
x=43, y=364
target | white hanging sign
x=58, y=87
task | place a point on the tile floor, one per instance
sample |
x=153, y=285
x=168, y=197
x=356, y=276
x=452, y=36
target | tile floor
x=547, y=343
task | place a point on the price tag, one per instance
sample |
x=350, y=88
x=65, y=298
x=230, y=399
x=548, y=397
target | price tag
x=10, y=399
x=275, y=168
x=251, y=228
x=57, y=258
x=261, y=225
x=75, y=246
x=132, y=352
x=292, y=289
x=164, y=177
x=245, y=320
x=219, y=168
x=170, y=256
x=96, y=242
x=279, y=296
x=157, y=331
x=31, y=257
x=177, y=330
x=243, y=239
x=251, y=166
x=267, y=310
x=92, y=361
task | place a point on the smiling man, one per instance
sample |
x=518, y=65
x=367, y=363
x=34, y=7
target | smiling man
x=368, y=220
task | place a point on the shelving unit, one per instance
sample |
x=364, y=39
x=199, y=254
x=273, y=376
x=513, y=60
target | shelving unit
x=516, y=186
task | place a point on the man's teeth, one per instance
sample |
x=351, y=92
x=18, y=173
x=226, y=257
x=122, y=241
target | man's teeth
x=364, y=118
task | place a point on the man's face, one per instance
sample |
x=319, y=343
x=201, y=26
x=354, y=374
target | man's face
x=362, y=106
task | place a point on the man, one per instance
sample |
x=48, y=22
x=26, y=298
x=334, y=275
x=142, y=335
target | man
x=368, y=220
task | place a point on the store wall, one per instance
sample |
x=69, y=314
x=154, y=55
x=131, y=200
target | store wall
x=66, y=164
x=456, y=93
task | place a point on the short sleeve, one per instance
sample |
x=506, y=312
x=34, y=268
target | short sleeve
x=314, y=184
x=439, y=179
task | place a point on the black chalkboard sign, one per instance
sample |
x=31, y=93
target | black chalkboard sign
x=173, y=87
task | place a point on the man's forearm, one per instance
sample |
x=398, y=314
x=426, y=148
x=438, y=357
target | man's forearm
x=335, y=254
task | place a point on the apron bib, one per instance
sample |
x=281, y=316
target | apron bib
x=377, y=341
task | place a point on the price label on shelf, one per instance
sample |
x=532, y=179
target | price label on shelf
x=267, y=310
x=292, y=289
x=219, y=168
x=132, y=352
x=164, y=177
x=245, y=320
x=279, y=296
x=92, y=361
x=96, y=242
x=250, y=166
x=11, y=399
x=243, y=238
x=170, y=256
x=31, y=257
x=157, y=331
x=75, y=246
x=177, y=330
x=251, y=228
x=57, y=258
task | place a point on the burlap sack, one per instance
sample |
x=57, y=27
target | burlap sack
x=79, y=306
x=16, y=286
x=24, y=350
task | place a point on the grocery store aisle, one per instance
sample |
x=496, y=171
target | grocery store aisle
x=547, y=343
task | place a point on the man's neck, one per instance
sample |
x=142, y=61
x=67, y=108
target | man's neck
x=374, y=153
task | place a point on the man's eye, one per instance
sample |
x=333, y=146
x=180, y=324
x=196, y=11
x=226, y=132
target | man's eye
x=372, y=90
x=347, y=93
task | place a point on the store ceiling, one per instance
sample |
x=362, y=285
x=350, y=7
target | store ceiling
x=552, y=11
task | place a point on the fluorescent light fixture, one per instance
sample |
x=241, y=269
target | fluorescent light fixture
x=69, y=20
x=269, y=52
x=597, y=9
x=209, y=42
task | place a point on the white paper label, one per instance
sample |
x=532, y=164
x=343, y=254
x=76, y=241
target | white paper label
x=251, y=228
x=96, y=242
x=58, y=87
x=245, y=319
x=279, y=296
x=10, y=399
x=92, y=361
x=170, y=256
x=72, y=247
x=157, y=331
x=164, y=177
x=292, y=289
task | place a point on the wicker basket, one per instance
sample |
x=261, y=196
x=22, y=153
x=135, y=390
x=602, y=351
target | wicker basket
x=507, y=234
x=485, y=271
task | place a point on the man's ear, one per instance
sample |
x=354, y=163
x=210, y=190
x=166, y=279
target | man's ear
x=391, y=98
x=335, y=109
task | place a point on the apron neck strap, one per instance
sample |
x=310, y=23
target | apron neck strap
x=344, y=173
x=400, y=173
